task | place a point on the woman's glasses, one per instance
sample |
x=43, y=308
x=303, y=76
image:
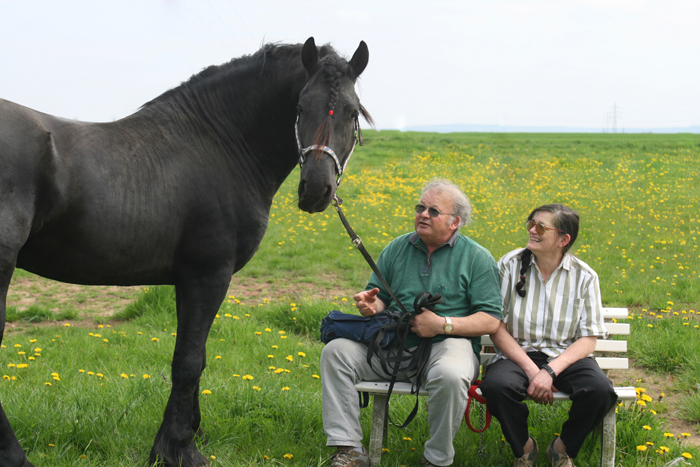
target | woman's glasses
x=539, y=228
x=432, y=211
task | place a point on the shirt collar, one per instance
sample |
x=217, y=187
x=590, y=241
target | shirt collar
x=565, y=263
x=414, y=238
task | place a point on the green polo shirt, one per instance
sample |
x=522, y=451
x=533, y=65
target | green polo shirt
x=461, y=270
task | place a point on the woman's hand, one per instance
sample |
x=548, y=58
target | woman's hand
x=541, y=389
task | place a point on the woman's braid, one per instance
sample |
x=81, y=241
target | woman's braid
x=525, y=258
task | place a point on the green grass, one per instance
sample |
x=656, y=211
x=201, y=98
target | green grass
x=637, y=199
x=113, y=382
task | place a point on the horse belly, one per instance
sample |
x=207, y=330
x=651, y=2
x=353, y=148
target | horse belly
x=78, y=253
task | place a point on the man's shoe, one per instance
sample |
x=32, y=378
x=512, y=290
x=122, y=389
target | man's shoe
x=426, y=463
x=528, y=460
x=348, y=456
x=556, y=459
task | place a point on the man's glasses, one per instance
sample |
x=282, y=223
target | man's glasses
x=539, y=228
x=432, y=211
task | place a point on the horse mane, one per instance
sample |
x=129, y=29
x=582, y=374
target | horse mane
x=331, y=66
x=245, y=62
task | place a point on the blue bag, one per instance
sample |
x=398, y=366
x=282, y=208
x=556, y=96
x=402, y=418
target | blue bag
x=360, y=328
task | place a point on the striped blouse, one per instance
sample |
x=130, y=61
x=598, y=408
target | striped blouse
x=553, y=314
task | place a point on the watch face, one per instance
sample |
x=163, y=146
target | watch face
x=449, y=327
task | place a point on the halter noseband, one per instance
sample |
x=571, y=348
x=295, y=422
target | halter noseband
x=340, y=169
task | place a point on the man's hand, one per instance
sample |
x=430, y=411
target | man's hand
x=367, y=302
x=427, y=324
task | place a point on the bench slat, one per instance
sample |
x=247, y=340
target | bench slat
x=602, y=345
x=619, y=329
x=615, y=313
x=623, y=393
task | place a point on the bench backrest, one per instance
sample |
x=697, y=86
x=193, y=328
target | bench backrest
x=603, y=348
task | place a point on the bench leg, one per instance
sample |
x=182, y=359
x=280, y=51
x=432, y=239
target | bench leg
x=378, y=429
x=608, y=439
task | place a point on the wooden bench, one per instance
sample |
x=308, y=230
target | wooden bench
x=379, y=389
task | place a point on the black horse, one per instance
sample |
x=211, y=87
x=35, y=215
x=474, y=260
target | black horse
x=177, y=193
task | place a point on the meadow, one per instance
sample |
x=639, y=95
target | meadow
x=87, y=389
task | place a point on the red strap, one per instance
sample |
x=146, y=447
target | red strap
x=473, y=394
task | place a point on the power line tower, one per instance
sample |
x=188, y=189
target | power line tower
x=611, y=118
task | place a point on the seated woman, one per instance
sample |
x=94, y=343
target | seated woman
x=552, y=318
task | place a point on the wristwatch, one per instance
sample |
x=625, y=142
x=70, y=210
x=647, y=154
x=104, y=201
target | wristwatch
x=549, y=370
x=448, y=327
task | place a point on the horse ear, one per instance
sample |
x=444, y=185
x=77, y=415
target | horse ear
x=359, y=60
x=309, y=55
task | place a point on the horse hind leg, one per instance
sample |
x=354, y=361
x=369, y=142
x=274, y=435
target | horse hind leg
x=197, y=305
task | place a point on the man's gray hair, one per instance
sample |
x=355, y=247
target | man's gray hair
x=462, y=207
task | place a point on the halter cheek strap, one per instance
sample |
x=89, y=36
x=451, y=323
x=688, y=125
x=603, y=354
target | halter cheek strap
x=340, y=169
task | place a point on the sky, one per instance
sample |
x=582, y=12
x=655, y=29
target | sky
x=598, y=64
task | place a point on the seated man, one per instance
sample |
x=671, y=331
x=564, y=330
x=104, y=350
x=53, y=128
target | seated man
x=435, y=258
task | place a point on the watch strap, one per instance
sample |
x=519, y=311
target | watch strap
x=549, y=370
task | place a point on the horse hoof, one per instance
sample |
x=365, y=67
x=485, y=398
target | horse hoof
x=188, y=457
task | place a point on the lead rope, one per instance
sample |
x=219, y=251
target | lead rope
x=415, y=362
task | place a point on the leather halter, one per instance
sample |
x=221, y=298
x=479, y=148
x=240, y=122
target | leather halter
x=340, y=169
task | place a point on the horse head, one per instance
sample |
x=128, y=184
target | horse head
x=327, y=127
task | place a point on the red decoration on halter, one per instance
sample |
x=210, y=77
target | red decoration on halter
x=330, y=112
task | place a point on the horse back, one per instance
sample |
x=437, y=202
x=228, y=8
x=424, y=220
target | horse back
x=117, y=203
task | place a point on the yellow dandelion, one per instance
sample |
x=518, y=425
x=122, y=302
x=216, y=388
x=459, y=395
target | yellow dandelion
x=155, y=339
x=286, y=388
x=315, y=376
x=290, y=358
x=687, y=455
x=288, y=456
x=248, y=377
x=206, y=392
x=124, y=375
x=641, y=448
x=256, y=388
x=301, y=354
x=218, y=357
x=669, y=435
x=270, y=356
x=146, y=376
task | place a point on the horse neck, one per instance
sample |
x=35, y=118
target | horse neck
x=248, y=110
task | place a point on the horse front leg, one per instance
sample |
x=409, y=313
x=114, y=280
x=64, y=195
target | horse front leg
x=197, y=304
x=11, y=452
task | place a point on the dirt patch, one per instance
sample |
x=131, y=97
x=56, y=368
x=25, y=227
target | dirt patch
x=254, y=291
x=655, y=385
